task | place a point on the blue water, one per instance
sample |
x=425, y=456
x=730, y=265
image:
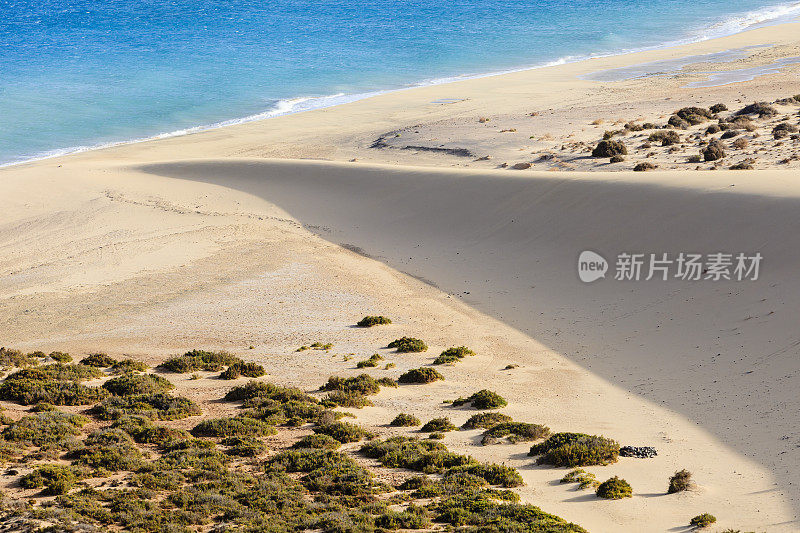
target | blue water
x=81, y=73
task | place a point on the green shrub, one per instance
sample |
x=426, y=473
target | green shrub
x=61, y=357
x=244, y=446
x=253, y=390
x=237, y=426
x=408, y=344
x=342, y=431
x=29, y=392
x=249, y=370
x=576, y=449
x=582, y=477
x=143, y=431
x=371, y=362
x=44, y=428
x=703, y=520
x=486, y=420
x=369, y=321
x=362, y=384
x=56, y=372
x=681, y=481
x=451, y=355
x=405, y=420
x=99, y=360
x=15, y=358
x=199, y=360
x=341, y=398
x=137, y=384
x=615, y=488
x=128, y=365
x=483, y=399
x=317, y=440
x=515, y=432
x=413, y=517
x=110, y=449
x=438, y=424
x=420, y=375
x=157, y=406
x=55, y=478
x=43, y=407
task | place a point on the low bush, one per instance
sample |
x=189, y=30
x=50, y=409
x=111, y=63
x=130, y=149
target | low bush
x=714, y=151
x=515, y=432
x=615, y=488
x=762, y=109
x=438, y=424
x=248, y=370
x=43, y=407
x=317, y=440
x=260, y=390
x=137, y=384
x=665, y=137
x=143, y=431
x=451, y=355
x=55, y=478
x=413, y=517
x=29, y=392
x=99, y=360
x=408, y=344
x=420, y=375
x=576, y=449
x=199, y=360
x=483, y=399
x=718, y=108
x=680, y=481
x=702, y=520
x=61, y=357
x=362, y=384
x=584, y=479
x=244, y=446
x=694, y=115
x=157, y=406
x=109, y=450
x=405, y=420
x=56, y=372
x=339, y=398
x=40, y=429
x=369, y=321
x=344, y=432
x=609, y=148
x=128, y=365
x=15, y=358
x=486, y=420
x=371, y=362
x=237, y=426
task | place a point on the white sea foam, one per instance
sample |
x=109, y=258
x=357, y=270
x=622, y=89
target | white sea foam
x=779, y=14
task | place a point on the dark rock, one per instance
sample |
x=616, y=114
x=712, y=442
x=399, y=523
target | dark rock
x=644, y=167
x=640, y=452
x=521, y=166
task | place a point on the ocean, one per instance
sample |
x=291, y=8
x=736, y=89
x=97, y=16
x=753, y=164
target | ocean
x=80, y=74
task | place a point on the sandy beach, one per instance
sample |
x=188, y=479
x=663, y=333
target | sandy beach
x=279, y=233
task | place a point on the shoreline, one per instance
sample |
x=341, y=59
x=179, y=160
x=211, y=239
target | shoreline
x=277, y=110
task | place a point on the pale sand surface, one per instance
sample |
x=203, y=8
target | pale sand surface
x=135, y=250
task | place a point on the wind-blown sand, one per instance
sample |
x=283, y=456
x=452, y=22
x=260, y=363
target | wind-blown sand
x=153, y=248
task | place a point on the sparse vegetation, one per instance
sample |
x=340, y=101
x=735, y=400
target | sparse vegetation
x=369, y=321
x=615, y=488
x=576, y=449
x=196, y=360
x=371, y=362
x=344, y=432
x=452, y=355
x=584, y=479
x=137, y=384
x=405, y=420
x=61, y=357
x=680, y=481
x=408, y=344
x=240, y=368
x=99, y=360
x=156, y=406
x=702, y=520
x=420, y=375
x=486, y=420
x=15, y=358
x=515, y=432
x=54, y=478
x=438, y=425
x=237, y=426
x=483, y=399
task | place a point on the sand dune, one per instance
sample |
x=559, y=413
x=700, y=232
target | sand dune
x=721, y=353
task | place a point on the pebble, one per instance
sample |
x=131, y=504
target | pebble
x=641, y=452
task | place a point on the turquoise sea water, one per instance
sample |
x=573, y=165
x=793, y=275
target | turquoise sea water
x=79, y=73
